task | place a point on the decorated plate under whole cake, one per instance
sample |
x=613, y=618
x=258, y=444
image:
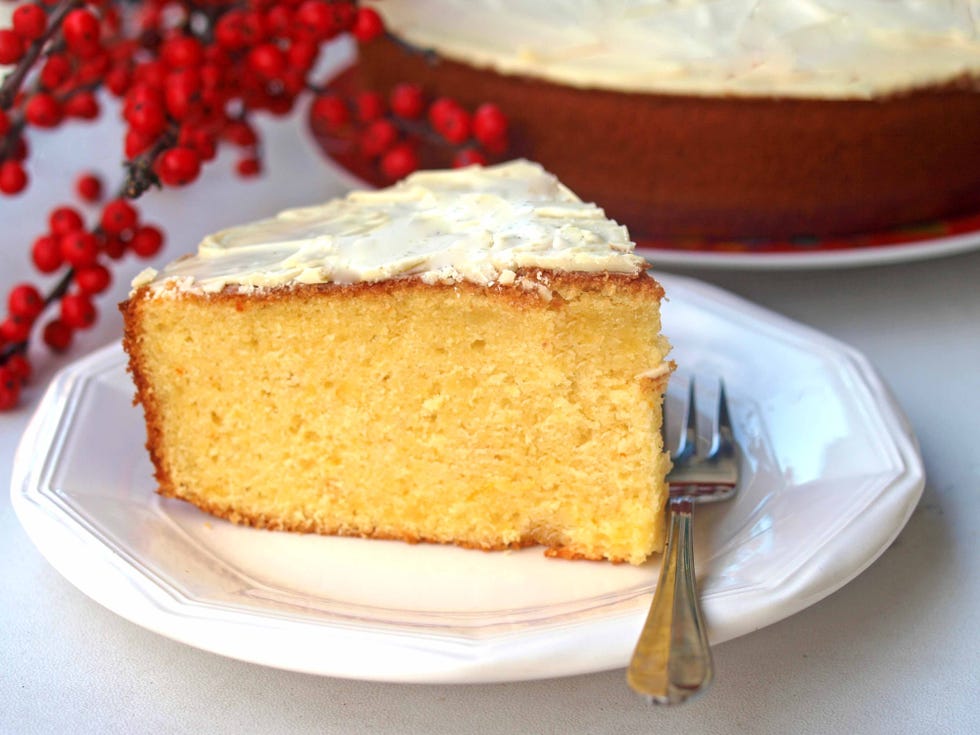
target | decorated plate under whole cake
x=926, y=241
x=831, y=475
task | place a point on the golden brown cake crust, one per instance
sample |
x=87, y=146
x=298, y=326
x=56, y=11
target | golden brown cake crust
x=515, y=293
x=276, y=524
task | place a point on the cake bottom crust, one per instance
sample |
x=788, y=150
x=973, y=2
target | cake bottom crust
x=309, y=526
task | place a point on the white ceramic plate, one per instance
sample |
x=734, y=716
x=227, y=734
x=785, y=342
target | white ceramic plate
x=831, y=475
x=922, y=249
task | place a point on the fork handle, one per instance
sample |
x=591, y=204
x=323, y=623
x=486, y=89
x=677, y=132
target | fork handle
x=672, y=660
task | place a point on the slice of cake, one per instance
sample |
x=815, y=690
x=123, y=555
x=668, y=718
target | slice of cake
x=469, y=357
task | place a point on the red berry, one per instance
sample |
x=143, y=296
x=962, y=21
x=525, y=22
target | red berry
x=249, y=166
x=25, y=301
x=146, y=117
x=94, y=68
x=469, y=157
x=149, y=16
x=13, y=178
x=496, y=147
x=239, y=29
x=213, y=76
x=46, y=254
x=367, y=25
x=63, y=220
x=280, y=103
x=20, y=367
x=181, y=90
x=178, y=166
x=329, y=113
x=93, y=279
x=80, y=29
x=147, y=241
x=210, y=107
x=200, y=140
x=316, y=19
x=407, y=101
x=181, y=52
x=489, y=124
x=302, y=55
x=136, y=143
x=293, y=81
x=9, y=388
x=55, y=71
x=229, y=31
x=30, y=22
x=143, y=91
x=15, y=329
x=267, y=60
x=78, y=311
x=370, y=106
x=440, y=109
x=80, y=248
x=343, y=15
x=118, y=80
x=118, y=216
x=89, y=188
x=399, y=161
x=240, y=133
x=123, y=50
x=151, y=73
x=11, y=47
x=82, y=105
x=44, y=111
x=57, y=335
x=454, y=125
x=279, y=21
x=254, y=27
x=113, y=247
x=377, y=138
x=4, y=123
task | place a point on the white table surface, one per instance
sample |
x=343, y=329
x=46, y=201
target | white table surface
x=896, y=650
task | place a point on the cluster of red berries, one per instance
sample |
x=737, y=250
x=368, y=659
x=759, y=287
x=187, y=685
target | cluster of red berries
x=392, y=131
x=190, y=75
x=85, y=253
x=62, y=45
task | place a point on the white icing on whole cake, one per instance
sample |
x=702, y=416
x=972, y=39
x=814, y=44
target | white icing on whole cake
x=797, y=48
x=480, y=224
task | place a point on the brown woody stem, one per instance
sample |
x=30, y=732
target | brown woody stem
x=13, y=80
x=59, y=290
x=139, y=170
x=428, y=54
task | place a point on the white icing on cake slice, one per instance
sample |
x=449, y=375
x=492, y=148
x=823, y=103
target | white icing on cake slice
x=479, y=224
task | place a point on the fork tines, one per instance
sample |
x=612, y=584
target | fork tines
x=701, y=443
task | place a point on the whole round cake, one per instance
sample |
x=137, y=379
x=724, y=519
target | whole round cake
x=718, y=118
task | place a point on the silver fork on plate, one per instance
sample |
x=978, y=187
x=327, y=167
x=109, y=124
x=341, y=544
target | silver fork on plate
x=672, y=659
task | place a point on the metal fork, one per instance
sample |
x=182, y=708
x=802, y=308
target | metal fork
x=672, y=659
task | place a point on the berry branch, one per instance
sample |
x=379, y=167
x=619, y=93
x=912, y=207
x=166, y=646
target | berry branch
x=188, y=77
x=427, y=54
x=36, y=28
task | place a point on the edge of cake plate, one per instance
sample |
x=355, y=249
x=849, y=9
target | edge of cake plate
x=100, y=547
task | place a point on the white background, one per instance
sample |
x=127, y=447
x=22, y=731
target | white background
x=897, y=650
